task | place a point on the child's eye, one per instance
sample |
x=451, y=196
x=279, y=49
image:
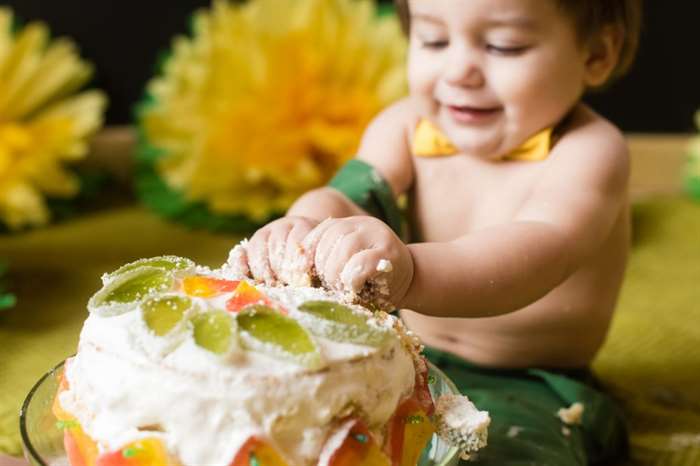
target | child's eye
x=510, y=50
x=434, y=44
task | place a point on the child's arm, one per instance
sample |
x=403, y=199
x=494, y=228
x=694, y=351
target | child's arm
x=280, y=245
x=569, y=214
x=384, y=146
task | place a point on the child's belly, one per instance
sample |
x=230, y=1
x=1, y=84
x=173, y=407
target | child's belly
x=565, y=328
x=501, y=342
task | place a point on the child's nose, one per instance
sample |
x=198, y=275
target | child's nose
x=463, y=69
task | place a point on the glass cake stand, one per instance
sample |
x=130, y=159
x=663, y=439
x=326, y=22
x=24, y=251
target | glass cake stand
x=42, y=438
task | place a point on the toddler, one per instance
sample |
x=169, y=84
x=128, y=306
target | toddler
x=517, y=209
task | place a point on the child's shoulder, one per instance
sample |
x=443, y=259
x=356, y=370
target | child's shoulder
x=405, y=113
x=385, y=144
x=591, y=140
x=391, y=131
x=589, y=130
x=582, y=186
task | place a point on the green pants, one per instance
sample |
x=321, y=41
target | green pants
x=523, y=405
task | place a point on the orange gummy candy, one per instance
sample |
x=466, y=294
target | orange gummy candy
x=206, y=287
x=145, y=452
x=409, y=432
x=256, y=452
x=247, y=295
x=359, y=449
x=80, y=448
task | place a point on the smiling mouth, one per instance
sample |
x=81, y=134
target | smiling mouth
x=466, y=114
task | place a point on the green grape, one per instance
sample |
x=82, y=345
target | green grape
x=337, y=322
x=121, y=294
x=168, y=263
x=332, y=311
x=163, y=313
x=146, y=281
x=265, y=330
x=213, y=331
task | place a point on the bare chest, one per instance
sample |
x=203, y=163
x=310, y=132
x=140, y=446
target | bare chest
x=452, y=196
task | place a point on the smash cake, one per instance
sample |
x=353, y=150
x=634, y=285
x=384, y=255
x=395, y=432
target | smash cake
x=179, y=364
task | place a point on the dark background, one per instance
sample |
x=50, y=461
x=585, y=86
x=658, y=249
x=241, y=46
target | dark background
x=124, y=38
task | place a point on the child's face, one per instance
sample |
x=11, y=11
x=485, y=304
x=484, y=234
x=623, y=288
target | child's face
x=496, y=71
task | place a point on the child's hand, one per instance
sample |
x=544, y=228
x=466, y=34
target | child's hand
x=354, y=254
x=275, y=253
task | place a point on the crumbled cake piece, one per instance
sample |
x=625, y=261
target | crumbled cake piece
x=237, y=263
x=373, y=295
x=461, y=424
x=571, y=415
x=514, y=431
x=385, y=265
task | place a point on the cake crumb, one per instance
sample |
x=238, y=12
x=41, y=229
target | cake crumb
x=514, y=431
x=237, y=264
x=571, y=415
x=385, y=265
x=461, y=424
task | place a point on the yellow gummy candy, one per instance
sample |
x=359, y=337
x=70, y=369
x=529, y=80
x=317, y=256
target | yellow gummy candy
x=417, y=432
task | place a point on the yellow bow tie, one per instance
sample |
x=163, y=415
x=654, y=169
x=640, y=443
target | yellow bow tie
x=429, y=141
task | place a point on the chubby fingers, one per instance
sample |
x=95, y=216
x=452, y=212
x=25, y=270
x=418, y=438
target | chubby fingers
x=350, y=252
x=312, y=240
x=258, y=258
x=361, y=268
x=337, y=245
x=275, y=255
x=371, y=271
x=292, y=263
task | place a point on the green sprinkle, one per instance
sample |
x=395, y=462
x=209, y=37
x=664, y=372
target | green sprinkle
x=414, y=419
x=431, y=379
x=66, y=424
x=130, y=452
x=362, y=438
x=253, y=460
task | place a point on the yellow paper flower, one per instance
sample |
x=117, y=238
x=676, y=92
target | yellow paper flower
x=42, y=125
x=269, y=98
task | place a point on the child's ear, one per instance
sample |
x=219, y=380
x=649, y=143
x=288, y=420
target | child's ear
x=603, y=55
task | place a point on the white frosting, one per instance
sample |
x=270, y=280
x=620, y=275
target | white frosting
x=126, y=383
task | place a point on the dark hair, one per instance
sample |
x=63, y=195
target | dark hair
x=590, y=17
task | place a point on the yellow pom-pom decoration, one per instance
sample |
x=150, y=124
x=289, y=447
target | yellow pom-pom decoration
x=268, y=98
x=44, y=124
